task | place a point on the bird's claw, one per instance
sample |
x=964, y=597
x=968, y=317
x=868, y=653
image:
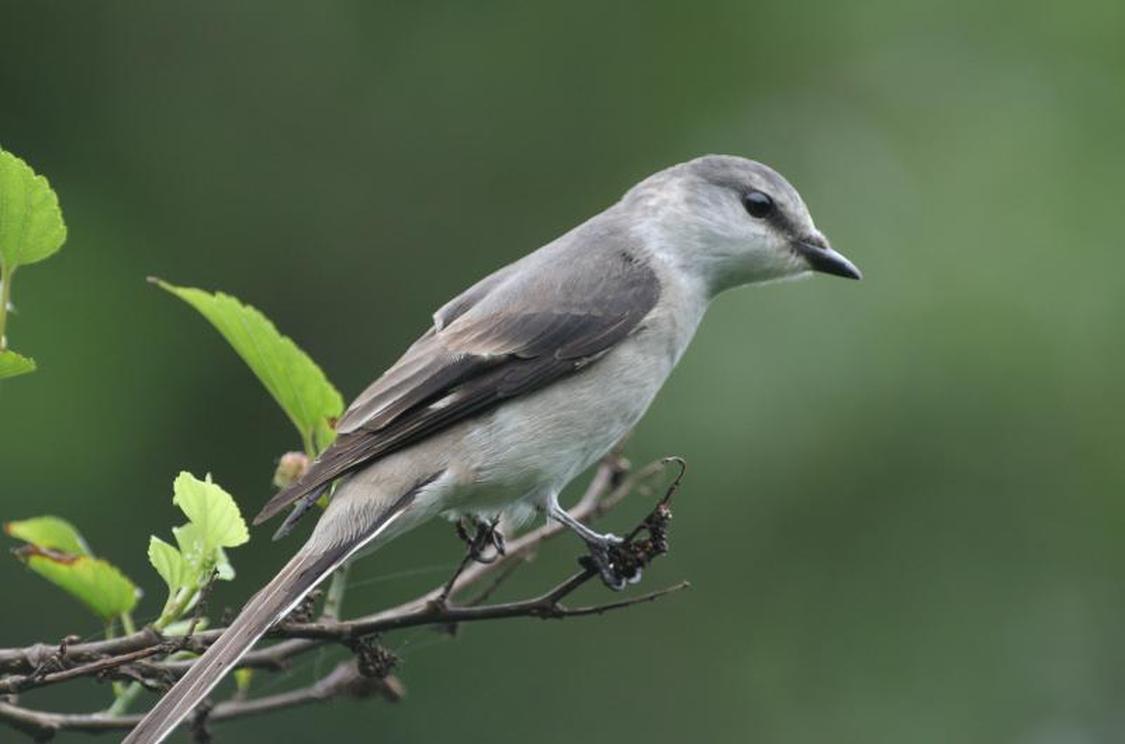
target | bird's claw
x=486, y=535
x=611, y=562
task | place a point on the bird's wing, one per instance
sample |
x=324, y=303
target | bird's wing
x=519, y=329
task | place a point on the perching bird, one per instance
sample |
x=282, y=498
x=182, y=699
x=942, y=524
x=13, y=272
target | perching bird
x=526, y=379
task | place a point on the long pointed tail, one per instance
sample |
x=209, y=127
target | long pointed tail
x=275, y=600
x=308, y=568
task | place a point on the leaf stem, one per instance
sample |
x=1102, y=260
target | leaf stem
x=335, y=598
x=5, y=299
x=177, y=605
x=124, y=699
x=127, y=626
x=110, y=634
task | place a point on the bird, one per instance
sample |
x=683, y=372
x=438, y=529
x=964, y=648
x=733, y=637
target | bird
x=526, y=379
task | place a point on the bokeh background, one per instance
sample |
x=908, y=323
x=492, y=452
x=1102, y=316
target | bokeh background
x=904, y=516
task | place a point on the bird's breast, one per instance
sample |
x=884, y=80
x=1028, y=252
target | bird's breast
x=542, y=440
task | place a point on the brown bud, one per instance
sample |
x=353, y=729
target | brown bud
x=290, y=468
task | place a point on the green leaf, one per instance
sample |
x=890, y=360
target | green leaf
x=291, y=377
x=31, y=223
x=212, y=512
x=56, y=551
x=49, y=532
x=168, y=562
x=99, y=585
x=12, y=364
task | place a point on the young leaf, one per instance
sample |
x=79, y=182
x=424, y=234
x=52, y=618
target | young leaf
x=56, y=551
x=212, y=511
x=31, y=223
x=12, y=364
x=48, y=532
x=168, y=562
x=291, y=377
x=191, y=547
x=197, y=563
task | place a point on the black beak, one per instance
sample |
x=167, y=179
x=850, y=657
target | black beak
x=825, y=260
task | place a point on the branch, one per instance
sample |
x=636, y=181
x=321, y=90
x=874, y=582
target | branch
x=130, y=657
x=343, y=680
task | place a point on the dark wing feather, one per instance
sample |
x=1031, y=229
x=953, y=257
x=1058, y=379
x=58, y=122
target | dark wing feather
x=510, y=334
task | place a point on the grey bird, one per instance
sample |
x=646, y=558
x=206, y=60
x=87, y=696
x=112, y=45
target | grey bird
x=526, y=379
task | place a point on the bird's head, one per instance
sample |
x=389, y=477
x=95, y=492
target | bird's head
x=732, y=221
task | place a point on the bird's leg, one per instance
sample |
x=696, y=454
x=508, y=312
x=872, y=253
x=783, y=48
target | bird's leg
x=485, y=535
x=601, y=546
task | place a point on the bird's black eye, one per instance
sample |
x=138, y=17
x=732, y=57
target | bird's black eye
x=757, y=204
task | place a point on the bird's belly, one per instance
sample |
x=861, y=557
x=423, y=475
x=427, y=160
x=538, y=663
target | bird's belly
x=535, y=445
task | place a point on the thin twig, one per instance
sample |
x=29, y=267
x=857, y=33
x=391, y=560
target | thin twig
x=505, y=573
x=16, y=684
x=343, y=680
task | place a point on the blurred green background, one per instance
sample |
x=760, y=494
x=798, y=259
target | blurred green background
x=904, y=512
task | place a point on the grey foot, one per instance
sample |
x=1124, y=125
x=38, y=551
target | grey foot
x=605, y=558
x=615, y=565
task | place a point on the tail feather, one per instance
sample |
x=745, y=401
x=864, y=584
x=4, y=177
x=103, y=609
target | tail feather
x=292, y=584
x=274, y=601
